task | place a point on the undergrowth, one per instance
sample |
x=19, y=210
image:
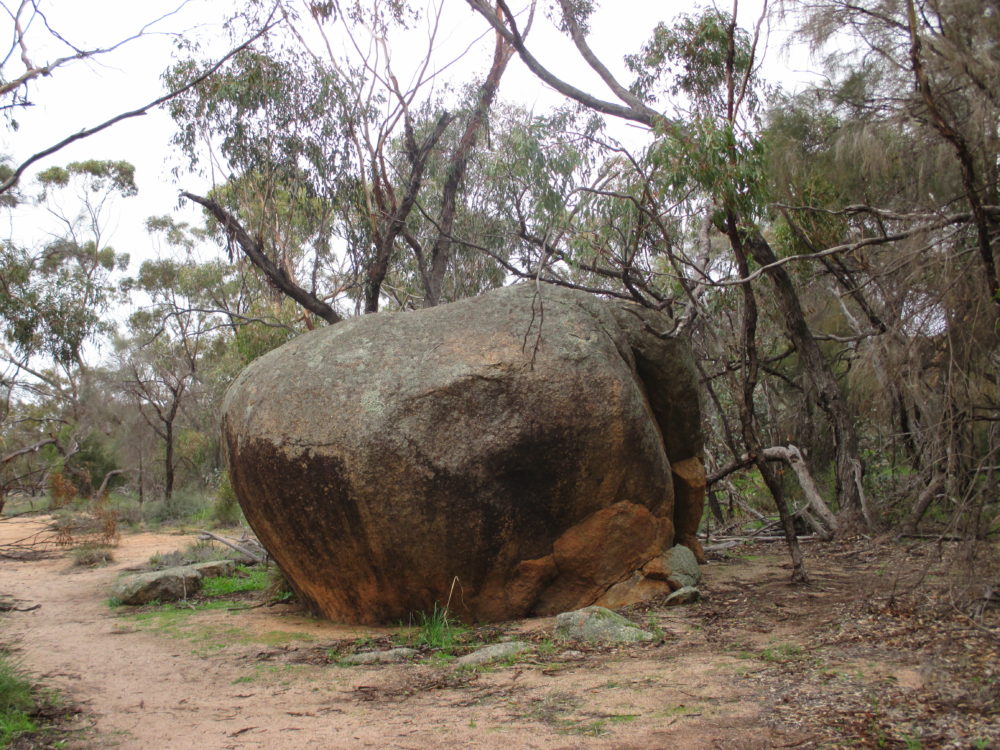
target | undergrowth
x=16, y=702
x=436, y=630
x=244, y=579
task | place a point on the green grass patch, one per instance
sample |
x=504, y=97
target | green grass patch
x=623, y=718
x=182, y=620
x=438, y=631
x=782, y=652
x=244, y=579
x=16, y=702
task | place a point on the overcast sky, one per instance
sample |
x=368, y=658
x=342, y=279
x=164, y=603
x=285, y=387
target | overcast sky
x=84, y=94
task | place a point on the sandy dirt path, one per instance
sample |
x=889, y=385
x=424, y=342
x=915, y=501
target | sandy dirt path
x=250, y=679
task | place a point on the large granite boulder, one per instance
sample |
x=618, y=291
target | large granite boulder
x=505, y=455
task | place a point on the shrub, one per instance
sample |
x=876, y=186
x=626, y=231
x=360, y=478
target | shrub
x=278, y=589
x=226, y=509
x=92, y=555
x=182, y=506
x=61, y=490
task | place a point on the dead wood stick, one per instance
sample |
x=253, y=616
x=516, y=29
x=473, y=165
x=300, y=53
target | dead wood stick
x=809, y=538
x=239, y=548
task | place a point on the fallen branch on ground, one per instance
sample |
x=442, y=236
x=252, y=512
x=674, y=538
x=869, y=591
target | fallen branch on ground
x=238, y=545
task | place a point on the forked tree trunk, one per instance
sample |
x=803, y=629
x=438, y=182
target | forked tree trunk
x=748, y=420
x=921, y=504
x=854, y=513
x=794, y=458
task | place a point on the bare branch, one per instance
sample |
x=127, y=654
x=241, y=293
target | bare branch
x=277, y=275
x=513, y=37
x=87, y=132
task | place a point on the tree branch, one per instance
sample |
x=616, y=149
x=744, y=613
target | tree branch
x=252, y=249
x=513, y=37
x=86, y=133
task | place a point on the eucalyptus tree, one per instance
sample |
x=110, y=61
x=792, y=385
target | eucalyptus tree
x=55, y=300
x=330, y=162
x=911, y=104
x=31, y=31
x=165, y=365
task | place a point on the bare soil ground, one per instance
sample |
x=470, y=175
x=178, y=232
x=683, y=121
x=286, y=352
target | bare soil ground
x=879, y=650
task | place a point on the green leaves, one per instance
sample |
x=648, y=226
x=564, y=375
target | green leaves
x=97, y=176
x=55, y=299
x=688, y=59
x=714, y=159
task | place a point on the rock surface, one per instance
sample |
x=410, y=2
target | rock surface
x=493, y=652
x=682, y=566
x=167, y=585
x=389, y=656
x=674, y=569
x=215, y=568
x=526, y=447
x=598, y=625
x=686, y=595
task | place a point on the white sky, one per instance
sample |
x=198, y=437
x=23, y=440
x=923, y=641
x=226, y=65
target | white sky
x=84, y=94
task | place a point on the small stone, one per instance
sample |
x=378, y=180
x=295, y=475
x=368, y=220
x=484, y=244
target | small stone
x=392, y=656
x=166, y=585
x=686, y=595
x=598, y=625
x=683, y=567
x=215, y=568
x=490, y=653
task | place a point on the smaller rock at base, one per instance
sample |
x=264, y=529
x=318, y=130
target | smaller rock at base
x=166, y=585
x=392, y=656
x=598, y=625
x=215, y=568
x=683, y=567
x=686, y=595
x=490, y=653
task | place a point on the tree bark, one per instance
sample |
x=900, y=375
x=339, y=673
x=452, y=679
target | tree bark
x=921, y=504
x=395, y=223
x=794, y=458
x=748, y=420
x=275, y=274
x=854, y=513
x=441, y=252
x=168, y=481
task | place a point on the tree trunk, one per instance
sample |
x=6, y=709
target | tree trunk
x=854, y=512
x=793, y=457
x=168, y=483
x=921, y=504
x=748, y=420
x=441, y=252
